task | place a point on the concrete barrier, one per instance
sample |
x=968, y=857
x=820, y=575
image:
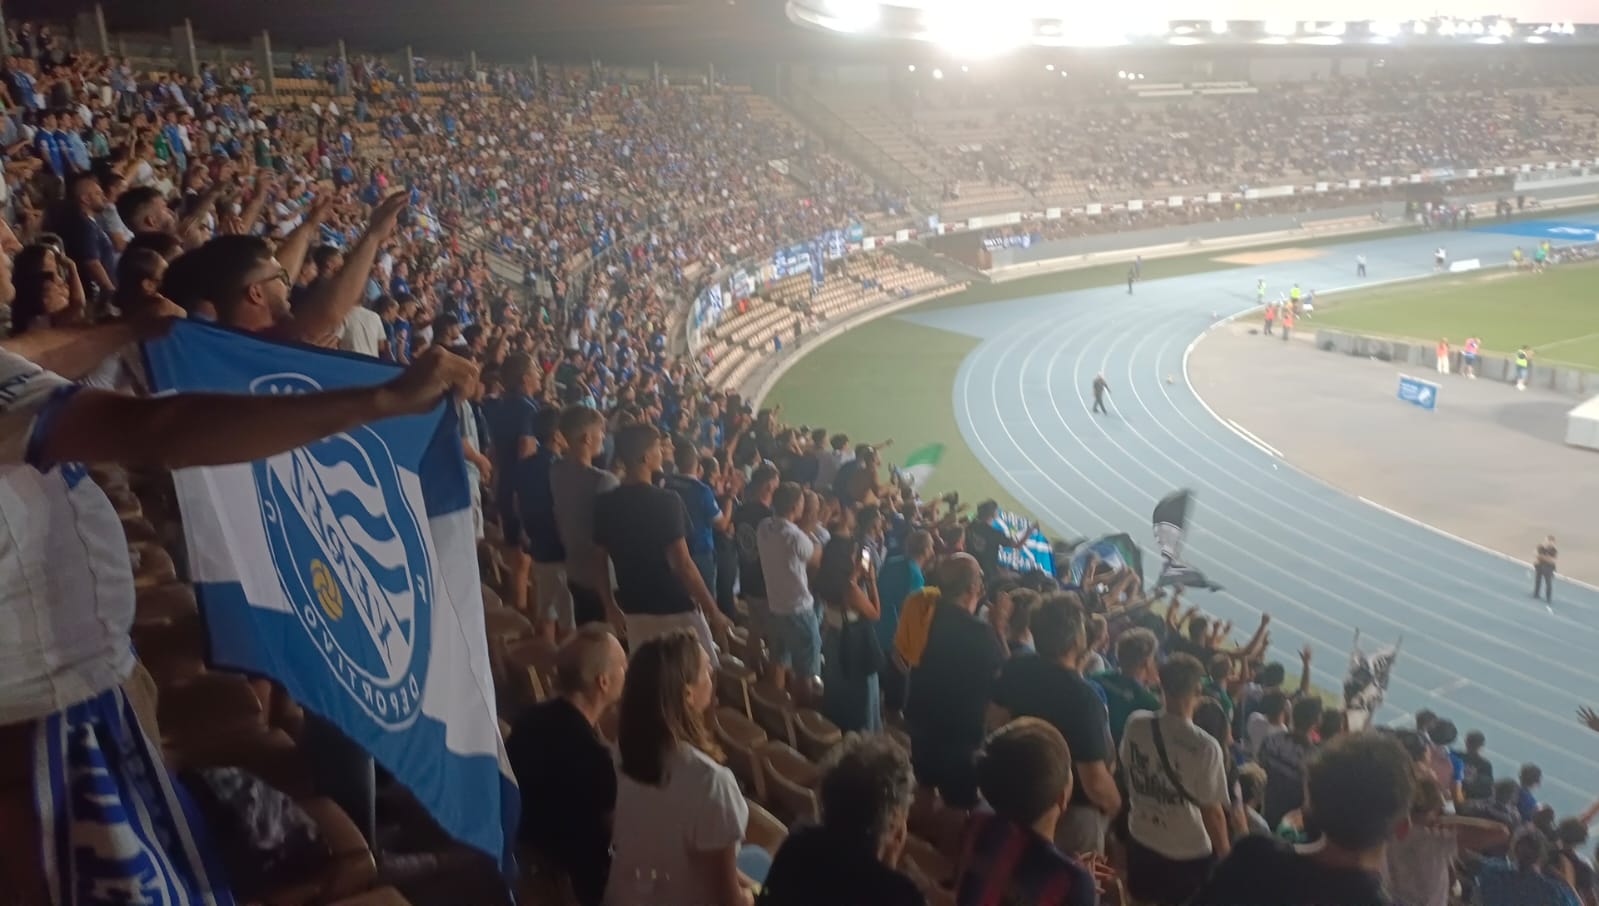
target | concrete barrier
x=1555, y=378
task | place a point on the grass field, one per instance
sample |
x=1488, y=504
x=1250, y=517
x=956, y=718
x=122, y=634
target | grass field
x=1556, y=312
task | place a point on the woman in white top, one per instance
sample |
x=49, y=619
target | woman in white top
x=680, y=817
x=1178, y=797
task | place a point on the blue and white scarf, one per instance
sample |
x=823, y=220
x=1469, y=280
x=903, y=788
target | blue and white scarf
x=116, y=829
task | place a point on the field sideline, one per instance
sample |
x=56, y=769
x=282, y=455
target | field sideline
x=1556, y=312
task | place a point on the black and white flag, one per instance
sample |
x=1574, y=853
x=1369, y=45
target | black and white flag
x=1366, y=682
x=1171, y=527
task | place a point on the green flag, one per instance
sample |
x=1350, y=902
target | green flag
x=920, y=464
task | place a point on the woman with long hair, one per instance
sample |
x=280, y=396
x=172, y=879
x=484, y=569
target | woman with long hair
x=846, y=584
x=679, y=820
x=43, y=291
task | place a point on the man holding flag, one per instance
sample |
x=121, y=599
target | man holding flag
x=65, y=725
x=1366, y=682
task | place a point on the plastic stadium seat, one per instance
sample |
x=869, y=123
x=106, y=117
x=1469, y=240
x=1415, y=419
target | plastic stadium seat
x=733, y=682
x=741, y=739
x=172, y=652
x=816, y=734
x=153, y=566
x=530, y=669
x=208, y=709
x=790, y=782
x=353, y=869
x=165, y=604
x=773, y=709
x=763, y=829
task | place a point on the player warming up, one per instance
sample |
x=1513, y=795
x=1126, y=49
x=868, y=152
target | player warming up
x=1100, y=389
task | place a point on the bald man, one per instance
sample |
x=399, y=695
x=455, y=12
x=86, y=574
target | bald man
x=563, y=765
x=951, y=685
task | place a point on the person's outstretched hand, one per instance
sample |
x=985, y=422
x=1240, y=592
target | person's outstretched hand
x=1589, y=718
x=433, y=374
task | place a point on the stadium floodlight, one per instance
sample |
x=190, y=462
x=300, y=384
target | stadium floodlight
x=1121, y=73
x=1446, y=28
x=1385, y=29
x=938, y=74
x=965, y=68
x=852, y=15
x=1477, y=28
x=1335, y=29
x=1488, y=39
x=1218, y=26
x=1537, y=39
x=1281, y=28
x=970, y=31
x=1503, y=28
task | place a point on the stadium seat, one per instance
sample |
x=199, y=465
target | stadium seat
x=763, y=829
x=733, y=682
x=816, y=734
x=790, y=782
x=742, y=740
x=773, y=709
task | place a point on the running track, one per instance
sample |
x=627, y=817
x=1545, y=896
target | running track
x=1476, y=648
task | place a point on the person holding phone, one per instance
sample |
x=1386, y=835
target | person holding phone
x=846, y=582
x=788, y=552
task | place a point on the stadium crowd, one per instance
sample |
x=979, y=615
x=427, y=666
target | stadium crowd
x=831, y=690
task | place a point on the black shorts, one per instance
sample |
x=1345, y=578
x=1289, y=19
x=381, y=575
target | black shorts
x=1153, y=878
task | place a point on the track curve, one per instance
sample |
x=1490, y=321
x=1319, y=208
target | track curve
x=1322, y=562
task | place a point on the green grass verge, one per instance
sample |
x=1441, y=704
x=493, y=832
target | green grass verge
x=1554, y=312
x=885, y=379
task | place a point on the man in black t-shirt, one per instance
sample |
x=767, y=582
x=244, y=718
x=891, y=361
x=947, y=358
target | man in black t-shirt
x=865, y=794
x=1359, y=789
x=1049, y=686
x=752, y=510
x=563, y=766
x=983, y=540
x=950, y=687
x=643, y=530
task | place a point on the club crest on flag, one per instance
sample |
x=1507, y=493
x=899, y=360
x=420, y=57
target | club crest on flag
x=337, y=524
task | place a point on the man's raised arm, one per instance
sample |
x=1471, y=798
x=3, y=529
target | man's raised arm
x=322, y=313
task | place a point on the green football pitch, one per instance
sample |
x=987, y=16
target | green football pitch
x=1555, y=312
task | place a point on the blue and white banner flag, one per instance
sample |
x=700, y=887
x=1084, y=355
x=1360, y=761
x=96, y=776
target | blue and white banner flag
x=1035, y=554
x=347, y=571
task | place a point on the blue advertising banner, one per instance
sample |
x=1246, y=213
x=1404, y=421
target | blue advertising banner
x=1417, y=392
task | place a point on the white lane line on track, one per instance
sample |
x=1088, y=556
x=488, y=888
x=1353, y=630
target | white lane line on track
x=1454, y=685
x=1248, y=435
x=1323, y=676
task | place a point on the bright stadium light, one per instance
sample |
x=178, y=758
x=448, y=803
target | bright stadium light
x=852, y=15
x=1447, y=28
x=1503, y=28
x=1281, y=28
x=938, y=74
x=911, y=68
x=1049, y=67
x=1335, y=29
x=968, y=30
x=1218, y=26
x=1384, y=29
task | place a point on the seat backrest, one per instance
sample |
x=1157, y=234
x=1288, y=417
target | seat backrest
x=741, y=739
x=733, y=681
x=790, y=782
x=815, y=734
x=773, y=709
x=764, y=830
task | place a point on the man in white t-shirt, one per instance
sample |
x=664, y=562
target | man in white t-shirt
x=67, y=597
x=1177, y=791
x=363, y=332
x=788, y=554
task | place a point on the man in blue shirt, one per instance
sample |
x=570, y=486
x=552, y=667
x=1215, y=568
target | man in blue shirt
x=511, y=435
x=704, y=514
x=902, y=575
x=50, y=147
x=535, y=508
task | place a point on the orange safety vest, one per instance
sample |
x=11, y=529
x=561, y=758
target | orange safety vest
x=1271, y=311
x=1288, y=317
x=1443, y=350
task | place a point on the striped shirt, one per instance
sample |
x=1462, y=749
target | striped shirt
x=1007, y=863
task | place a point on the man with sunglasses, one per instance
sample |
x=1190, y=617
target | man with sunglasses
x=249, y=287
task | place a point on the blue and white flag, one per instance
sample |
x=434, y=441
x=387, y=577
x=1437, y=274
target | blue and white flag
x=346, y=570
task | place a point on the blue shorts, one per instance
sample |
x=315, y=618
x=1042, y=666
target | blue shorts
x=795, y=640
